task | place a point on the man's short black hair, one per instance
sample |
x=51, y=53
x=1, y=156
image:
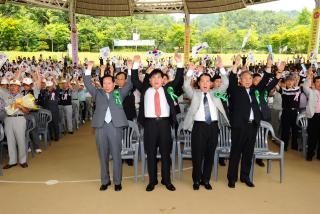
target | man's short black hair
x=215, y=77
x=155, y=72
x=256, y=75
x=106, y=76
x=203, y=75
x=121, y=72
x=316, y=78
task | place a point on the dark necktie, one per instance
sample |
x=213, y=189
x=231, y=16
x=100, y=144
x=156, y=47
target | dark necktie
x=206, y=109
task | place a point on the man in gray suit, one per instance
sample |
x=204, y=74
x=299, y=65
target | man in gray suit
x=202, y=118
x=313, y=113
x=109, y=120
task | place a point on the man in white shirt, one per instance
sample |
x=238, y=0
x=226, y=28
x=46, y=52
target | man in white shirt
x=205, y=110
x=157, y=115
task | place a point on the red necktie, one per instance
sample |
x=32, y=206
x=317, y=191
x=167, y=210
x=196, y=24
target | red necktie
x=157, y=108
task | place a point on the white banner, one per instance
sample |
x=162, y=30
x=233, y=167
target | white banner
x=104, y=52
x=122, y=43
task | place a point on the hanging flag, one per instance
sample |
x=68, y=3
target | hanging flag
x=246, y=38
x=104, y=52
x=198, y=48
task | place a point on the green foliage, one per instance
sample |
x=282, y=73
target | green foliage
x=35, y=29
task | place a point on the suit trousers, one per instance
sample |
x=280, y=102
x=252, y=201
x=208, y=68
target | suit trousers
x=204, y=140
x=242, y=146
x=67, y=112
x=108, y=140
x=15, y=129
x=314, y=135
x=288, y=122
x=157, y=133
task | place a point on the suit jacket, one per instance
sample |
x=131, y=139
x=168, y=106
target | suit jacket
x=313, y=98
x=240, y=104
x=102, y=102
x=145, y=85
x=195, y=95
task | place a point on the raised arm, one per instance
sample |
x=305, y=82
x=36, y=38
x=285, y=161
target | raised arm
x=87, y=80
x=233, y=78
x=224, y=79
x=135, y=74
x=179, y=74
x=277, y=77
x=128, y=86
x=307, y=84
x=187, y=88
x=266, y=77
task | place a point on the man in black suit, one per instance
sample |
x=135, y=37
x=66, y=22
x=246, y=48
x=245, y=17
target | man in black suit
x=245, y=116
x=157, y=115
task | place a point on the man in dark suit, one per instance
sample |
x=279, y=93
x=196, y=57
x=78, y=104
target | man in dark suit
x=108, y=120
x=157, y=115
x=245, y=116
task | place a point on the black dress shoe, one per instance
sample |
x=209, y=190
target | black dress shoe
x=70, y=132
x=309, y=158
x=150, y=187
x=222, y=162
x=104, y=187
x=170, y=187
x=260, y=162
x=117, y=187
x=196, y=186
x=24, y=165
x=8, y=166
x=206, y=185
x=231, y=184
x=247, y=182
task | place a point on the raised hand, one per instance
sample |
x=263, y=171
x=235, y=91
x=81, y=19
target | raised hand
x=237, y=63
x=129, y=64
x=137, y=59
x=177, y=57
x=191, y=66
x=281, y=66
x=218, y=62
x=90, y=65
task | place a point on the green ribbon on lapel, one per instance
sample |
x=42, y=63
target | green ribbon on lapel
x=116, y=95
x=265, y=95
x=257, y=94
x=221, y=96
x=170, y=91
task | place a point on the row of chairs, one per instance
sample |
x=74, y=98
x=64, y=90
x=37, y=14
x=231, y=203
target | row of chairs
x=41, y=120
x=133, y=148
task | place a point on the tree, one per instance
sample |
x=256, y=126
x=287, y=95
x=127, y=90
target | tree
x=304, y=17
x=218, y=38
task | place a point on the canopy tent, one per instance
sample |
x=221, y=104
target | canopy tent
x=118, y=8
x=130, y=7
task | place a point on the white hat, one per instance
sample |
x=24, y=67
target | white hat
x=49, y=83
x=63, y=81
x=27, y=81
x=15, y=82
x=81, y=84
x=4, y=81
x=44, y=80
x=73, y=82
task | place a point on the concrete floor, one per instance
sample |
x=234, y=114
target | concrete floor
x=74, y=163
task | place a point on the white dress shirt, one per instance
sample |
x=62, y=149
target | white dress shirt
x=149, y=107
x=251, y=112
x=200, y=115
x=108, y=116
